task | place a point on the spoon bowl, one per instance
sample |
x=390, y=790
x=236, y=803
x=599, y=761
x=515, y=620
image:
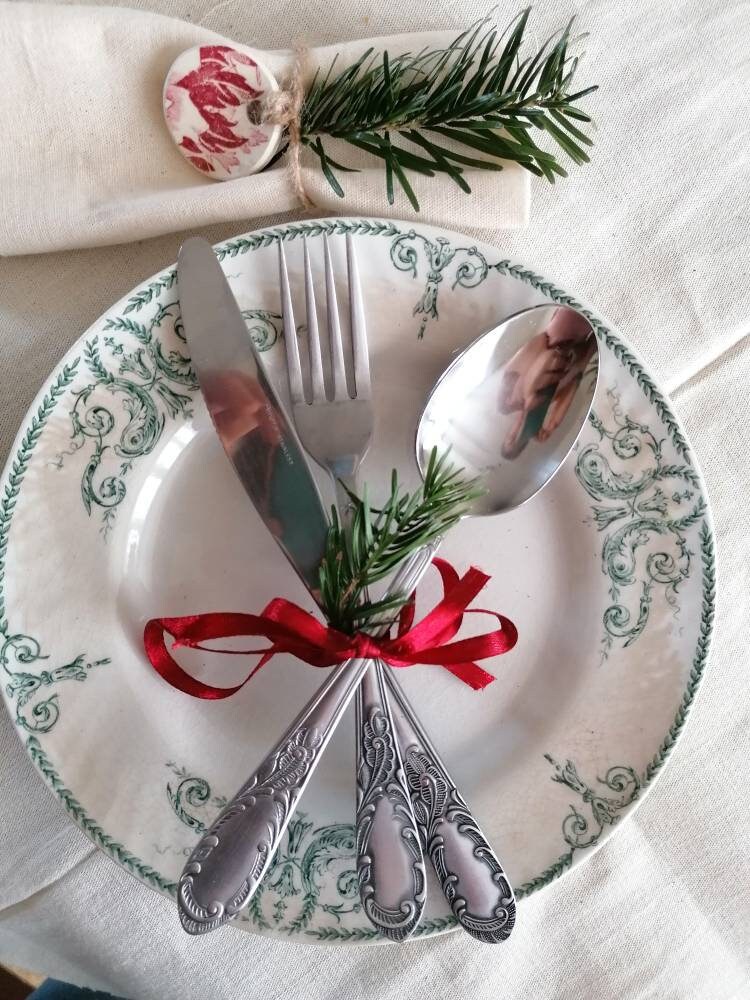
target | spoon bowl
x=511, y=406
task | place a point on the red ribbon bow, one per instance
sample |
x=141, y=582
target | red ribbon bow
x=291, y=629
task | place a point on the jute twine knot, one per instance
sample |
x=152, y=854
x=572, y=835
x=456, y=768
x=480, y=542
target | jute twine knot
x=284, y=107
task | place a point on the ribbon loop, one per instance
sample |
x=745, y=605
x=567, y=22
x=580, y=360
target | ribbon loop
x=290, y=629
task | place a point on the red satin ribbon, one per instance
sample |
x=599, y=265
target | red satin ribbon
x=291, y=629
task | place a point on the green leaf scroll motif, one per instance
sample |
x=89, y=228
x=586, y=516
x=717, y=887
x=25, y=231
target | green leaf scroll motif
x=19, y=651
x=37, y=716
x=121, y=413
x=439, y=253
x=583, y=829
x=643, y=513
x=263, y=326
x=580, y=831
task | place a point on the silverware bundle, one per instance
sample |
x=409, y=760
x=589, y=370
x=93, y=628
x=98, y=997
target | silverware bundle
x=407, y=804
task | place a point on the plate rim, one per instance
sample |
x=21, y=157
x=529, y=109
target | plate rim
x=63, y=373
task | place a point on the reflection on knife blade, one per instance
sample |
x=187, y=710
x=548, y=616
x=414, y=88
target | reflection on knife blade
x=246, y=413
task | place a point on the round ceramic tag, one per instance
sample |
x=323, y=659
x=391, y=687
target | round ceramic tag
x=213, y=110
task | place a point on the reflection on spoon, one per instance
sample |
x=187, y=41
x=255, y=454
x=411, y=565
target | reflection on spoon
x=540, y=380
x=511, y=405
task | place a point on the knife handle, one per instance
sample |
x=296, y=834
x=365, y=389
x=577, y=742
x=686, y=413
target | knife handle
x=227, y=865
x=390, y=864
x=470, y=875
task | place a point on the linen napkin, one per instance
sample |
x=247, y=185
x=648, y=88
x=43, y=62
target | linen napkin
x=86, y=159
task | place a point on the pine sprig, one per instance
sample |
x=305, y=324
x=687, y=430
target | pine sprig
x=374, y=542
x=480, y=94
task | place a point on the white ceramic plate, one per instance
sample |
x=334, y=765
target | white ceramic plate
x=118, y=504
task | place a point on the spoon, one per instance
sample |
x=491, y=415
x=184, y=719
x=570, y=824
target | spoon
x=511, y=407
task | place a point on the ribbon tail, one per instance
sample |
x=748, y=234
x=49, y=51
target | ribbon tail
x=170, y=670
x=471, y=674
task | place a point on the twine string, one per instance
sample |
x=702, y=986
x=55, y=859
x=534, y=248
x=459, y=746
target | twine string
x=284, y=107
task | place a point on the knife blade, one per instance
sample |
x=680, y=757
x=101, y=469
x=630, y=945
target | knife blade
x=229, y=861
x=246, y=412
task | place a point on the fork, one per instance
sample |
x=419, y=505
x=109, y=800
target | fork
x=336, y=429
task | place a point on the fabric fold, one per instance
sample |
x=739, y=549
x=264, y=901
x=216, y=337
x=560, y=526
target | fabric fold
x=87, y=160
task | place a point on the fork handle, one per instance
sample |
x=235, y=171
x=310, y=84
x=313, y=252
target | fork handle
x=390, y=863
x=470, y=875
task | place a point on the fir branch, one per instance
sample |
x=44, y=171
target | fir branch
x=480, y=93
x=374, y=542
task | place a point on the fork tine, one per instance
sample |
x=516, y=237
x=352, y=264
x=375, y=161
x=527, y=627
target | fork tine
x=340, y=391
x=317, y=383
x=358, y=325
x=294, y=371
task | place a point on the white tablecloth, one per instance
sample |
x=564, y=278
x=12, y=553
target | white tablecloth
x=656, y=233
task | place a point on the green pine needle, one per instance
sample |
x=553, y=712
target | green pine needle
x=480, y=93
x=373, y=543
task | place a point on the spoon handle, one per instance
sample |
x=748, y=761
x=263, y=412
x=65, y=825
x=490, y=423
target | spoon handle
x=390, y=863
x=227, y=865
x=471, y=877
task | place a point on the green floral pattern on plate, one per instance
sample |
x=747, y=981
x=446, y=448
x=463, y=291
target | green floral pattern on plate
x=121, y=412
x=18, y=650
x=135, y=385
x=640, y=513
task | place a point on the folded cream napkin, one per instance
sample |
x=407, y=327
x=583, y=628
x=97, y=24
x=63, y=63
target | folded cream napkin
x=86, y=159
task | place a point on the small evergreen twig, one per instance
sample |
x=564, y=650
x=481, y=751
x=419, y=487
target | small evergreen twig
x=480, y=95
x=374, y=543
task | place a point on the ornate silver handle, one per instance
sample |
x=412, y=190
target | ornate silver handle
x=226, y=867
x=390, y=863
x=471, y=877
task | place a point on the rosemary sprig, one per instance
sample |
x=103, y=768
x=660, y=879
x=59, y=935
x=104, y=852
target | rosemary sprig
x=374, y=542
x=479, y=94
